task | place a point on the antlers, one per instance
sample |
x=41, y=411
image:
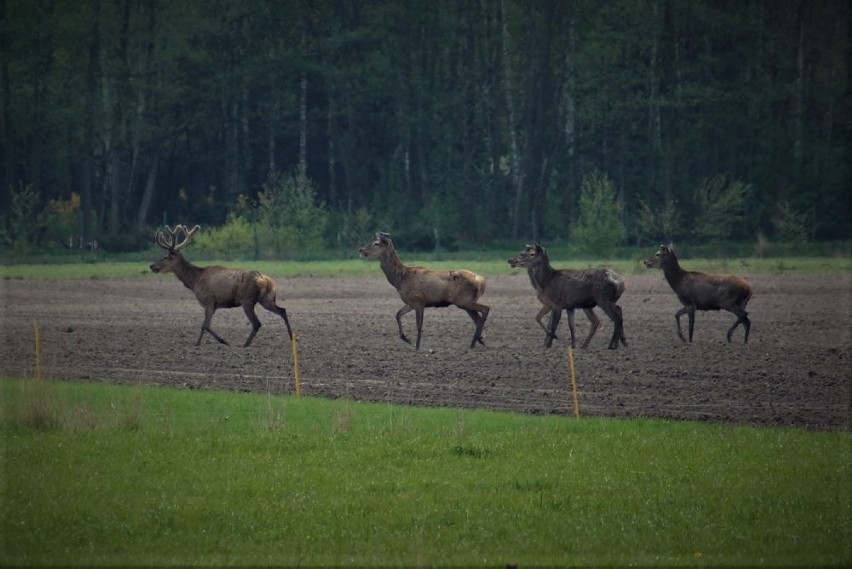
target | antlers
x=170, y=244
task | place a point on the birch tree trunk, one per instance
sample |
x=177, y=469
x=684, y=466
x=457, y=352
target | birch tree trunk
x=88, y=176
x=798, y=113
x=654, y=119
x=8, y=157
x=303, y=125
x=332, y=178
x=515, y=155
x=148, y=192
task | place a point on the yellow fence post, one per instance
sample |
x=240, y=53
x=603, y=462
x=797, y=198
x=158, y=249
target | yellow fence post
x=296, y=379
x=573, y=381
x=37, y=336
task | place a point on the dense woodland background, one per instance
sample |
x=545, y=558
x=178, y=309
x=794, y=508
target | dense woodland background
x=309, y=124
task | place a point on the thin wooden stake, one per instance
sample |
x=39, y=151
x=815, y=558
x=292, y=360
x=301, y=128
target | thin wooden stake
x=573, y=382
x=37, y=336
x=296, y=379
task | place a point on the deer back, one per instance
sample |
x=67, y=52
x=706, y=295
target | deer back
x=226, y=288
x=439, y=287
x=711, y=292
x=584, y=288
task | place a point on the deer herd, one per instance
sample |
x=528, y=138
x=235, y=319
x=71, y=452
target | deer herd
x=419, y=288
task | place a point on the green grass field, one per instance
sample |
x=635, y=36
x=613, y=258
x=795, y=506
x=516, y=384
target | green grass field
x=489, y=267
x=98, y=474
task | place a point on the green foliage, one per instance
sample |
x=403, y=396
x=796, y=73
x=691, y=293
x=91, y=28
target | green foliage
x=286, y=221
x=354, y=229
x=598, y=227
x=290, y=217
x=20, y=226
x=460, y=118
x=235, y=239
x=719, y=207
x=62, y=222
x=792, y=226
x=156, y=476
x=663, y=225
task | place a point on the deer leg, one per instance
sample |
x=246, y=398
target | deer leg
x=595, y=322
x=615, y=316
x=747, y=326
x=403, y=311
x=742, y=318
x=280, y=311
x=205, y=327
x=544, y=310
x=555, y=315
x=678, y=314
x=691, y=314
x=474, y=315
x=255, y=323
x=621, y=336
x=418, y=314
x=570, y=313
x=478, y=313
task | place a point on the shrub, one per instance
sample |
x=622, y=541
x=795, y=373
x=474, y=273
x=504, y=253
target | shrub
x=662, y=224
x=353, y=229
x=290, y=217
x=234, y=239
x=598, y=228
x=20, y=228
x=719, y=207
x=792, y=226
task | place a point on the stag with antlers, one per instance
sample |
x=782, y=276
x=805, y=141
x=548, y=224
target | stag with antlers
x=217, y=287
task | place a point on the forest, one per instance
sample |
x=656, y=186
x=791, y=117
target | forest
x=310, y=124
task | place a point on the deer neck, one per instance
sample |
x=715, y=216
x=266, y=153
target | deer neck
x=541, y=274
x=673, y=271
x=393, y=268
x=187, y=273
x=531, y=274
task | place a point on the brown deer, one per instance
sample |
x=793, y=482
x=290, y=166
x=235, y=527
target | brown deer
x=217, y=287
x=703, y=291
x=420, y=288
x=548, y=306
x=570, y=289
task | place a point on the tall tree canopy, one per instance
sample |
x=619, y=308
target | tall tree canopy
x=461, y=120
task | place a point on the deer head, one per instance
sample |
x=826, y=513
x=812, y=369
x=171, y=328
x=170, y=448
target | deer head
x=664, y=253
x=375, y=249
x=530, y=256
x=172, y=244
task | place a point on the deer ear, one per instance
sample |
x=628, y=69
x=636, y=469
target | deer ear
x=538, y=247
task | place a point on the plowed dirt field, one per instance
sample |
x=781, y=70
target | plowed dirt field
x=794, y=371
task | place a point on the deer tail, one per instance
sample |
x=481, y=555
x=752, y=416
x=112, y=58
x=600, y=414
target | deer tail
x=265, y=286
x=479, y=282
x=616, y=280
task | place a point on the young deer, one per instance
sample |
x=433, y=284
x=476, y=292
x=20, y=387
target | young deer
x=548, y=306
x=218, y=287
x=420, y=288
x=570, y=289
x=702, y=291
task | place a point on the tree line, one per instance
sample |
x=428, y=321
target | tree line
x=449, y=122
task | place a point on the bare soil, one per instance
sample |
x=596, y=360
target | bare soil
x=795, y=370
